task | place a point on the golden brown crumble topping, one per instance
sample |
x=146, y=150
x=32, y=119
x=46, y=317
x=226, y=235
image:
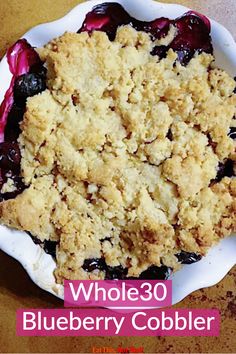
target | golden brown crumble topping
x=105, y=177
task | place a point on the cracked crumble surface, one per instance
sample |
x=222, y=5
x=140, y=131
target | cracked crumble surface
x=105, y=177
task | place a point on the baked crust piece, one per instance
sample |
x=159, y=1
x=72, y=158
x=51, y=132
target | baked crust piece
x=119, y=155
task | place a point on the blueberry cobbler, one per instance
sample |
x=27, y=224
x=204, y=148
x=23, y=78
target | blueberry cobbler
x=118, y=146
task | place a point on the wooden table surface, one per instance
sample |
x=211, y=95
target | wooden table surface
x=17, y=290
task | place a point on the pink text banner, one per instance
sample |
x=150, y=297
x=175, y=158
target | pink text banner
x=105, y=322
x=118, y=293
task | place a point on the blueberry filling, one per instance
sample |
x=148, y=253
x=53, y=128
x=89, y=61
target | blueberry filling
x=193, y=36
x=160, y=51
x=38, y=69
x=21, y=58
x=225, y=169
x=119, y=272
x=17, y=182
x=154, y=272
x=10, y=168
x=110, y=272
x=48, y=246
x=188, y=257
x=116, y=273
x=12, y=128
x=28, y=85
x=192, y=30
x=94, y=264
x=232, y=133
x=10, y=156
x=106, y=17
x=29, y=78
x=169, y=135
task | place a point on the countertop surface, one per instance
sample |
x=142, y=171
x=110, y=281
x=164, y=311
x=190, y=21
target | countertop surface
x=17, y=290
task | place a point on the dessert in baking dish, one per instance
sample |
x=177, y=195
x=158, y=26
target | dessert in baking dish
x=117, y=146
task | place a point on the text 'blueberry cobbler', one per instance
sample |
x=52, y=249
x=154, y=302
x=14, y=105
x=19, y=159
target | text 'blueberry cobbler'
x=117, y=146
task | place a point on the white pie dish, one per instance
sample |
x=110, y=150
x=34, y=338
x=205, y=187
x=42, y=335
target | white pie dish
x=19, y=245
